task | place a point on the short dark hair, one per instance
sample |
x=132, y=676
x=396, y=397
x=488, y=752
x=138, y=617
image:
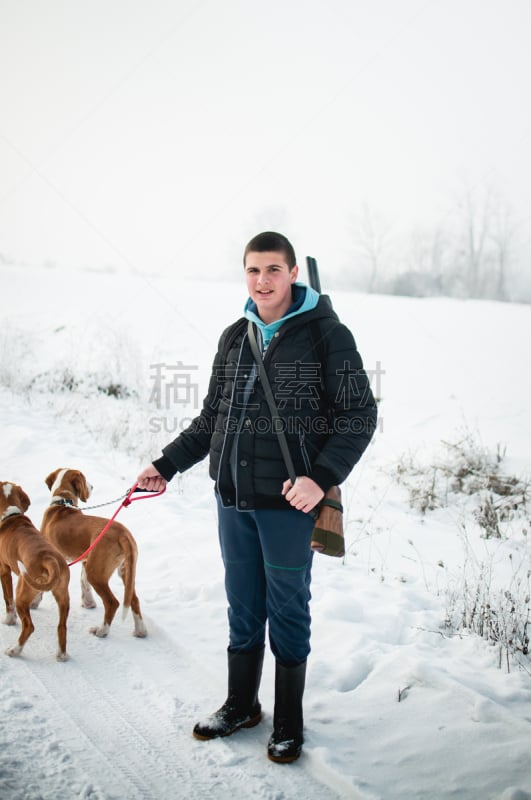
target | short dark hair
x=270, y=241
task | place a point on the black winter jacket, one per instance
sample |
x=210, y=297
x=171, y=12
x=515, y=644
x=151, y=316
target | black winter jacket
x=327, y=410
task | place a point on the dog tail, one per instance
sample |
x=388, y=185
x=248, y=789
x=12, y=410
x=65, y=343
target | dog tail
x=128, y=569
x=47, y=578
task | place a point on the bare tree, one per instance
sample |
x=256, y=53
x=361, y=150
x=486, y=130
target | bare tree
x=372, y=236
x=476, y=222
x=488, y=234
x=425, y=262
x=472, y=252
x=504, y=234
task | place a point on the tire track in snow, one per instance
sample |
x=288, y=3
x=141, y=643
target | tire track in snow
x=123, y=710
x=118, y=736
x=123, y=741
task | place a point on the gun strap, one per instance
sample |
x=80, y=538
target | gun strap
x=275, y=417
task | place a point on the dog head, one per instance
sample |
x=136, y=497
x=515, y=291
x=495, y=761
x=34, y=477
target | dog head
x=12, y=497
x=69, y=484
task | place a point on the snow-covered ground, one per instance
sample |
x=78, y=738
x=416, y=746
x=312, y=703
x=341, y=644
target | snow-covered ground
x=396, y=707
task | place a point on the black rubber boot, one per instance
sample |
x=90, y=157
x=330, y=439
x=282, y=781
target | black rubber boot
x=285, y=744
x=241, y=709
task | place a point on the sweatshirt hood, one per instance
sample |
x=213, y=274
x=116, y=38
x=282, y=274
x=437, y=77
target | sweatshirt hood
x=304, y=299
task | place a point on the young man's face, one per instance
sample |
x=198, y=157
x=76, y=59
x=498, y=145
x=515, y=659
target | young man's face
x=269, y=282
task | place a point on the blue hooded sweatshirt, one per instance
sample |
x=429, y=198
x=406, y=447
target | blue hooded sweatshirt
x=304, y=299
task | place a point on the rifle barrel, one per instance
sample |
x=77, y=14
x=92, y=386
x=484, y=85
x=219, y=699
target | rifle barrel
x=313, y=274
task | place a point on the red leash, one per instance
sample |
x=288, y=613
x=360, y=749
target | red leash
x=127, y=502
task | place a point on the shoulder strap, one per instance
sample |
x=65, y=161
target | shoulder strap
x=275, y=418
x=319, y=348
x=233, y=332
x=317, y=339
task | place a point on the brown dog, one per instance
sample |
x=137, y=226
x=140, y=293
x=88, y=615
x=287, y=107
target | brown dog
x=37, y=563
x=72, y=533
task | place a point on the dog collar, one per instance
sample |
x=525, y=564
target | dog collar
x=10, y=512
x=62, y=501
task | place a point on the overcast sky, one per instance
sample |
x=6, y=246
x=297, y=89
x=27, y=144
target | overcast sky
x=164, y=134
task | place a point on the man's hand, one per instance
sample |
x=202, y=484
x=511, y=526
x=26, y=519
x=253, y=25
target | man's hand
x=304, y=495
x=151, y=480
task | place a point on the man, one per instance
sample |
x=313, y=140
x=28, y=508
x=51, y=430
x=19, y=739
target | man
x=328, y=413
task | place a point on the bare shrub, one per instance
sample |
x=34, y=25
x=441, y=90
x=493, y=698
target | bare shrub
x=499, y=614
x=466, y=469
x=16, y=351
x=484, y=597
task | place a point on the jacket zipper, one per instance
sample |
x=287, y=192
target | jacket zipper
x=227, y=426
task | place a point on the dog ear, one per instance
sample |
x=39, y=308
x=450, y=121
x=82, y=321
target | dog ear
x=81, y=486
x=23, y=500
x=50, y=480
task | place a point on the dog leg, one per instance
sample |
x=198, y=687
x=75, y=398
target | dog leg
x=110, y=604
x=10, y=617
x=63, y=603
x=101, y=632
x=140, y=628
x=35, y=603
x=24, y=596
x=7, y=588
x=15, y=650
x=87, y=598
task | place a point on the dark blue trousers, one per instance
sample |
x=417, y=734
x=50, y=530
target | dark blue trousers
x=268, y=560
